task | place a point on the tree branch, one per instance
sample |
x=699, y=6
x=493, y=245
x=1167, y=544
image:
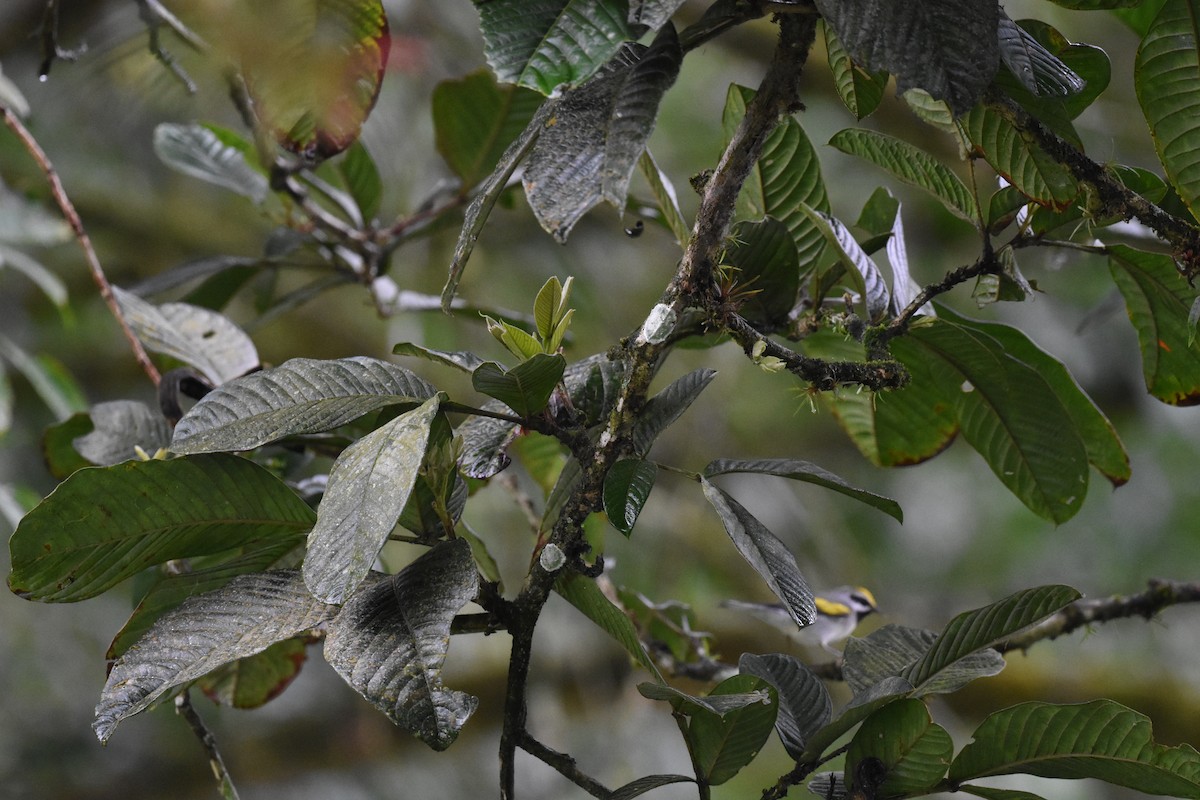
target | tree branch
x=565, y=765
x=184, y=708
x=64, y=203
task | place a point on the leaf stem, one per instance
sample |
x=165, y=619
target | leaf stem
x=184, y=708
x=72, y=216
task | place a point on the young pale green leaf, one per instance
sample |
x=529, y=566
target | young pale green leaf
x=661, y=411
x=369, y=485
x=639, y=787
x=915, y=752
x=804, y=703
x=390, y=642
x=459, y=359
x=974, y=630
x=545, y=307
x=877, y=299
x=910, y=164
x=1022, y=163
x=1010, y=414
x=719, y=704
x=1104, y=449
x=526, y=388
x=626, y=489
x=207, y=631
x=1159, y=299
x=767, y=268
x=544, y=44
x=763, y=551
x=860, y=707
x=196, y=151
x=103, y=525
x=206, y=574
x=787, y=175
x=475, y=120
x=361, y=176
x=722, y=745
x=798, y=470
x=1100, y=739
x=252, y=681
x=313, y=68
x=300, y=396
x=118, y=428
x=600, y=131
x=206, y=340
x=666, y=198
x=583, y=593
x=516, y=340
x=890, y=650
x=859, y=89
x=949, y=49
x=1167, y=78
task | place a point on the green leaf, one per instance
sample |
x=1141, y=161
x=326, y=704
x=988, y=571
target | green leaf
x=804, y=703
x=859, y=89
x=764, y=255
x=543, y=44
x=722, y=745
x=876, y=296
x=196, y=151
x=1158, y=300
x=588, y=150
x=1139, y=18
x=103, y=525
x=525, y=388
x=475, y=120
x=583, y=593
x=11, y=98
x=798, y=470
x=915, y=752
x=252, y=681
x=48, y=377
x=661, y=411
x=118, y=428
x=862, y=706
x=362, y=180
x=664, y=195
x=390, y=642
x=206, y=340
x=788, y=174
x=1010, y=414
x=542, y=457
x=910, y=164
x=719, y=704
x=974, y=630
x=627, y=486
x=1100, y=739
x=313, y=68
x=368, y=487
x=50, y=284
x=209, y=630
x=763, y=551
x=639, y=787
x=990, y=793
x=949, y=49
x=300, y=396
x=890, y=650
x=1020, y=160
x=1104, y=449
x=58, y=445
x=1167, y=78
x=545, y=307
x=459, y=359
x=516, y=340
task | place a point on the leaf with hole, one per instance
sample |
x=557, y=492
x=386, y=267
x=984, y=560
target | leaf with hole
x=915, y=752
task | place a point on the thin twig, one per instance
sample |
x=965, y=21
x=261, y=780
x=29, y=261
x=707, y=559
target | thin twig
x=154, y=15
x=51, y=50
x=72, y=217
x=566, y=766
x=184, y=708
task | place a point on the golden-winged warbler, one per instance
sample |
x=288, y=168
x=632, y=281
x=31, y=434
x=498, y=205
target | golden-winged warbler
x=838, y=613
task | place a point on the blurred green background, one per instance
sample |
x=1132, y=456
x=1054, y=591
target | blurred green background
x=964, y=542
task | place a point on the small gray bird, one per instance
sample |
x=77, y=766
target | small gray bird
x=838, y=613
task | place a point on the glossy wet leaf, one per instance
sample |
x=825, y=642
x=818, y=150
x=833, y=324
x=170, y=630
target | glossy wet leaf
x=798, y=470
x=626, y=489
x=241, y=619
x=369, y=485
x=302, y=395
x=106, y=524
x=391, y=639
